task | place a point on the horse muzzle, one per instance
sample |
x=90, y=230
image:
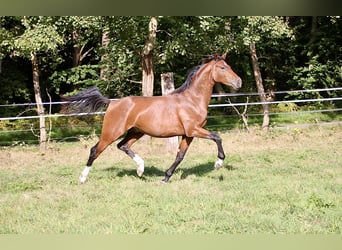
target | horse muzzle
x=237, y=84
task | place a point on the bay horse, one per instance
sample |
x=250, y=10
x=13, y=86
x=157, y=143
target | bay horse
x=181, y=113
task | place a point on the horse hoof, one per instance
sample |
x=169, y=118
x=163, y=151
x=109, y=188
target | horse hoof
x=163, y=181
x=218, y=164
x=140, y=173
x=83, y=179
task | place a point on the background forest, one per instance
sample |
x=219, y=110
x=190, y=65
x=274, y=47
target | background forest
x=43, y=57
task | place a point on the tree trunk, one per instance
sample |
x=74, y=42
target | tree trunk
x=105, y=42
x=260, y=86
x=313, y=32
x=38, y=98
x=147, y=59
x=0, y=53
x=167, y=86
x=313, y=37
x=76, y=55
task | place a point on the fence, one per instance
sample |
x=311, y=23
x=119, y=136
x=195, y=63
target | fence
x=215, y=122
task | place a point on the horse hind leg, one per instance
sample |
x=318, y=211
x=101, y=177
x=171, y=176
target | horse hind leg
x=125, y=145
x=94, y=153
x=86, y=170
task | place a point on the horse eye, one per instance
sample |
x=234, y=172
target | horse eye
x=222, y=67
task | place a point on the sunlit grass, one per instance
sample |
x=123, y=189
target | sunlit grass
x=277, y=182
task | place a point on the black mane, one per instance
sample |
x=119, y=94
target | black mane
x=193, y=72
x=188, y=80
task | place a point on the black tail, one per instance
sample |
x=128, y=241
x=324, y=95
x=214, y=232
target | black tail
x=88, y=100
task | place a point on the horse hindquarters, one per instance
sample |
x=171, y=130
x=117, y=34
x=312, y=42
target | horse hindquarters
x=114, y=126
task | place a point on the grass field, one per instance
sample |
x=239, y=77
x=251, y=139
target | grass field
x=286, y=182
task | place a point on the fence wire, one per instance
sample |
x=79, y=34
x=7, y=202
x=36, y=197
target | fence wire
x=211, y=106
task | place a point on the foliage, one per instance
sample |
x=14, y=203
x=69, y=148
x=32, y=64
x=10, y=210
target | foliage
x=293, y=52
x=84, y=75
x=13, y=87
x=316, y=75
x=319, y=58
x=81, y=42
x=255, y=27
x=40, y=35
x=181, y=43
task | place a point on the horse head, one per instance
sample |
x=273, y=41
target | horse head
x=223, y=73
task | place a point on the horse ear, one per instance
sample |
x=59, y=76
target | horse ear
x=224, y=56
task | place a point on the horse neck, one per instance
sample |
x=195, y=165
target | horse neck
x=202, y=87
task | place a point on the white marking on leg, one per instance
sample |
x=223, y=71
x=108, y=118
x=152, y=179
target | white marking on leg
x=141, y=165
x=84, y=174
x=218, y=164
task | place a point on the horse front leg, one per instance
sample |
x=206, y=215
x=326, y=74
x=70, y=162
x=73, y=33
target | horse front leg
x=183, y=147
x=202, y=133
x=220, y=155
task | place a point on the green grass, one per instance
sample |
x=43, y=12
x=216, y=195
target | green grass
x=280, y=182
x=229, y=122
x=69, y=129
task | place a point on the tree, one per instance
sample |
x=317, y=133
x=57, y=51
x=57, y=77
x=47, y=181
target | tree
x=254, y=28
x=121, y=61
x=318, y=55
x=40, y=36
x=259, y=84
x=79, y=67
x=147, y=59
x=184, y=40
x=65, y=54
x=14, y=76
x=104, y=43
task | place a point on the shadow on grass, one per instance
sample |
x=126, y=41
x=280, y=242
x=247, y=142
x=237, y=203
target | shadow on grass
x=203, y=169
x=152, y=171
x=149, y=171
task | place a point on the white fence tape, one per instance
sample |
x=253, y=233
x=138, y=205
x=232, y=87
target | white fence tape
x=210, y=106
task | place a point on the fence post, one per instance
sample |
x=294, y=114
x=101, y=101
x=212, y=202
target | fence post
x=167, y=86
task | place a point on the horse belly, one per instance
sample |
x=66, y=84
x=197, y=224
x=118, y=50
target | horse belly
x=157, y=121
x=161, y=127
